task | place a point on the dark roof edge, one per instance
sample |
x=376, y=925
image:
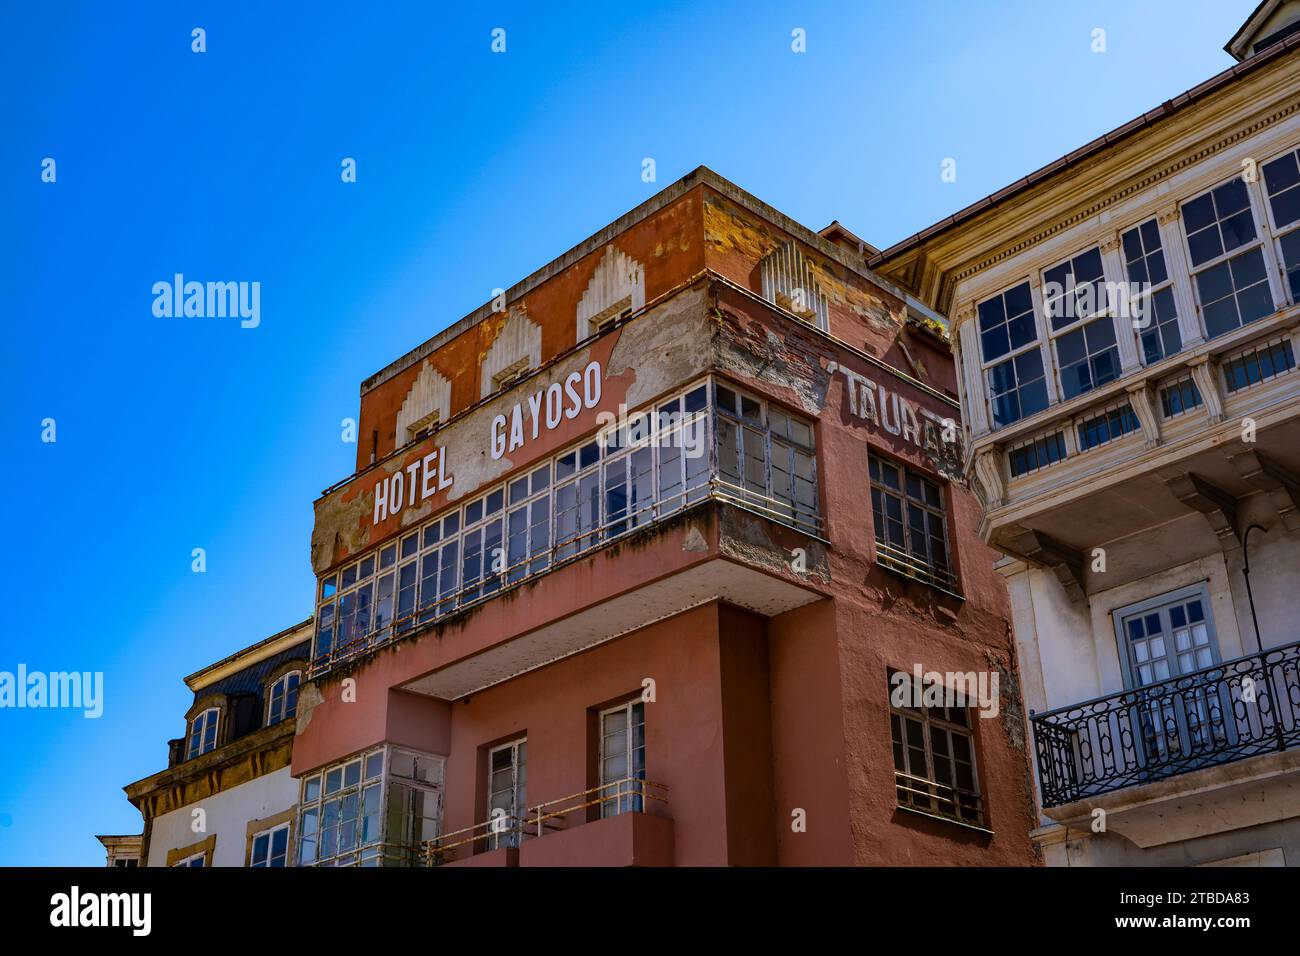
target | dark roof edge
x=246, y=650
x=1245, y=25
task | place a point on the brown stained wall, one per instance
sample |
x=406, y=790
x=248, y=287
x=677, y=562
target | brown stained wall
x=808, y=740
x=879, y=620
x=861, y=313
x=676, y=333
x=668, y=244
x=747, y=737
x=330, y=728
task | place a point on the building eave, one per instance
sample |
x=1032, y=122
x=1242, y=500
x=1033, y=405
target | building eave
x=1089, y=151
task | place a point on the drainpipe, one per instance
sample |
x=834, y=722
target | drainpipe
x=1245, y=572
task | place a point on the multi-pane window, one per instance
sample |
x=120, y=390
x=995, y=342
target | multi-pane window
x=1151, y=302
x=577, y=500
x=1106, y=426
x=1075, y=292
x=1258, y=364
x=528, y=524
x=270, y=847
x=413, y=798
x=1037, y=454
x=507, y=792
x=477, y=571
x=196, y=860
x=361, y=813
x=1178, y=397
x=203, y=732
x=766, y=456
x=934, y=755
x=340, y=814
x=282, y=703
x=1282, y=181
x=622, y=759
x=911, y=524
x=1227, y=258
x=1087, y=357
x=1169, y=640
x=1012, y=361
x=1017, y=387
x=1163, y=639
x=647, y=466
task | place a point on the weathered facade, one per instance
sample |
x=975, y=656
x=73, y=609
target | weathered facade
x=1127, y=325
x=629, y=558
x=227, y=797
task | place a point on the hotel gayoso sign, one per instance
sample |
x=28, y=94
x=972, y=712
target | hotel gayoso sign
x=541, y=412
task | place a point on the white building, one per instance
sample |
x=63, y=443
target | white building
x=227, y=797
x=1135, y=462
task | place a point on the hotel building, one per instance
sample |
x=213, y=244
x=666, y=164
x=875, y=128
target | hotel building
x=629, y=557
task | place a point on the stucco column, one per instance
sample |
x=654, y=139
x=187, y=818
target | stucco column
x=1176, y=261
x=1113, y=268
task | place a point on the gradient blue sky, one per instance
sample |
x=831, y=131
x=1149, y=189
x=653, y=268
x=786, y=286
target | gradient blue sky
x=474, y=169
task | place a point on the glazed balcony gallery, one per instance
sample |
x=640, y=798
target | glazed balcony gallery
x=710, y=441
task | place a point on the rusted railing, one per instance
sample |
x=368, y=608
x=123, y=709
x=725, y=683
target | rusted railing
x=629, y=795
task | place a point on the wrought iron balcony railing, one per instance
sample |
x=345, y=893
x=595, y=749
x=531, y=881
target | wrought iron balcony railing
x=1234, y=710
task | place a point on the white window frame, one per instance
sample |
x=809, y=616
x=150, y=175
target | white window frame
x=270, y=833
x=375, y=770
x=1079, y=323
x=205, y=721
x=1278, y=232
x=1145, y=299
x=1041, y=336
x=283, y=679
x=621, y=800
x=201, y=856
x=1261, y=242
x=788, y=446
x=517, y=810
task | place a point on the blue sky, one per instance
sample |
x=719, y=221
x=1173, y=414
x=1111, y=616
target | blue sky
x=473, y=170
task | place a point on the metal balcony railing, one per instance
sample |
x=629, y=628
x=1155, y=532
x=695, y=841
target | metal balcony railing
x=629, y=795
x=1232, y=711
x=911, y=566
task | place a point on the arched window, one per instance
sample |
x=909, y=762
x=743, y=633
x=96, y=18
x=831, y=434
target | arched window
x=203, y=733
x=282, y=702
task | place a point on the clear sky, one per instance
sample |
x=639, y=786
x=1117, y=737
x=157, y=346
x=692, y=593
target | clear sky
x=473, y=170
